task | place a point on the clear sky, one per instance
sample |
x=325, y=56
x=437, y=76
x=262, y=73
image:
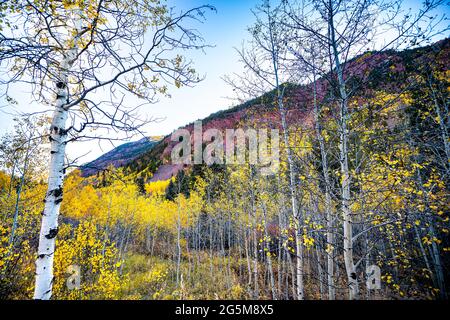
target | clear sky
x=225, y=30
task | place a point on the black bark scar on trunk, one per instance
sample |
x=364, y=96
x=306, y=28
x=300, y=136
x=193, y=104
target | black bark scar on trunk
x=52, y=233
x=56, y=192
x=63, y=132
x=43, y=255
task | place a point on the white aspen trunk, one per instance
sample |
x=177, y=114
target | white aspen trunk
x=269, y=258
x=434, y=253
x=345, y=173
x=18, y=197
x=254, y=217
x=247, y=255
x=54, y=196
x=16, y=211
x=188, y=238
x=295, y=215
x=320, y=272
x=255, y=265
x=179, y=236
x=328, y=209
x=440, y=279
x=292, y=270
x=106, y=238
x=442, y=125
x=422, y=249
x=11, y=180
x=272, y=279
x=255, y=258
x=279, y=268
x=211, y=266
x=330, y=243
x=346, y=211
x=299, y=264
x=280, y=246
x=229, y=250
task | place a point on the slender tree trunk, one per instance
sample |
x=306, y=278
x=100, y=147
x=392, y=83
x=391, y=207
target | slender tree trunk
x=320, y=272
x=19, y=192
x=255, y=264
x=229, y=252
x=282, y=110
x=345, y=172
x=434, y=251
x=210, y=247
x=299, y=264
x=279, y=257
x=178, y=241
x=125, y=248
x=49, y=227
x=54, y=196
x=269, y=258
x=292, y=270
x=295, y=214
x=253, y=216
x=328, y=209
x=247, y=255
x=11, y=179
x=346, y=211
x=438, y=266
x=442, y=124
x=106, y=238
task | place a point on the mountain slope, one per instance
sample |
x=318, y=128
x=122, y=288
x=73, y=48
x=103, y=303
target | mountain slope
x=120, y=156
x=389, y=71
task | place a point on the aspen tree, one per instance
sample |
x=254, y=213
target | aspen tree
x=67, y=51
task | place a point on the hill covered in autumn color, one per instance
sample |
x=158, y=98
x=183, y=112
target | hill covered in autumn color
x=390, y=71
x=120, y=156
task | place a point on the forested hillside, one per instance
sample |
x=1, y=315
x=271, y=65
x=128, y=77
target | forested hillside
x=120, y=156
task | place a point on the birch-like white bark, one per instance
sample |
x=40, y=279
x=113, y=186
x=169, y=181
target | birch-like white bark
x=442, y=123
x=19, y=193
x=268, y=256
x=295, y=214
x=54, y=196
x=343, y=159
x=328, y=209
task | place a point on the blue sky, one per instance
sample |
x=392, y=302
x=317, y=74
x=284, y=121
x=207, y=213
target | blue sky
x=225, y=30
